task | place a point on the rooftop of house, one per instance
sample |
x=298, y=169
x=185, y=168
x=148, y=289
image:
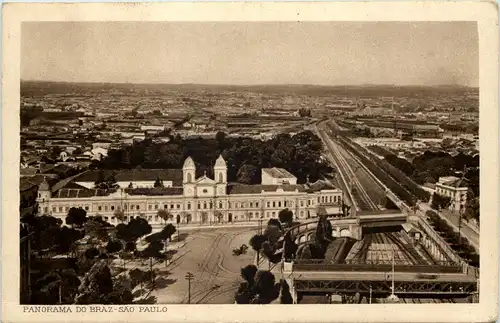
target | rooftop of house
x=452, y=181
x=277, y=172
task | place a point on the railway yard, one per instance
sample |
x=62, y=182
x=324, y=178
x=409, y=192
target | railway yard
x=368, y=195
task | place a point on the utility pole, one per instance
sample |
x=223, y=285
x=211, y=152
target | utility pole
x=370, y=293
x=392, y=272
x=60, y=291
x=189, y=277
x=460, y=227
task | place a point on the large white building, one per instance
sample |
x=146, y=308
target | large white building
x=193, y=199
x=452, y=187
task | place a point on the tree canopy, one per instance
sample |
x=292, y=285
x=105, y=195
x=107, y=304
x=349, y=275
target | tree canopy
x=299, y=154
x=285, y=216
x=76, y=217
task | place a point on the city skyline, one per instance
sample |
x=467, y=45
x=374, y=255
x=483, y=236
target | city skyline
x=370, y=53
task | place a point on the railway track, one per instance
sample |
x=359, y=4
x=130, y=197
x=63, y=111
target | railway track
x=212, y=271
x=204, y=267
x=345, y=163
x=414, y=258
x=361, y=254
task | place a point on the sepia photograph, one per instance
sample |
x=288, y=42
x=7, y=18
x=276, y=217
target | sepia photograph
x=249, y=162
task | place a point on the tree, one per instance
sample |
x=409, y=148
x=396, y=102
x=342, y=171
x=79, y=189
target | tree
x=472, y=206
x=76, y=217
x=440, y=201
x=204, y=217
x=165, y=215
x=121, y=293
x=286, y=296
x=97, y=229
x=248, y=174
x=219, y=216
x=114, y=246
x=138, y=277
x=91, y=253
x=124, y=233
x=65, y=238
x=105, y=182
x=164, y=235
x=256, y=243
x=153, y=250
x=158, y=182
x=272, y=234
x=266, y=288
x=285, y=216
x=130, y=246
x=274, y=222
x=119, y=215
x=220, y=136
x=168, y=231
x=246, y=290
x=139, y=227
x=53, y=285
x=248, y=273
x=97, y=287
x=290, y=247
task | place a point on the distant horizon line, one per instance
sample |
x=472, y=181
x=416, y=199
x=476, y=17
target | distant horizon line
x=256, y=85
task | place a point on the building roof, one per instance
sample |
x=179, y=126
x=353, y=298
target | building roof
x=188, y=163
x=135, y=175
x=452, y=181
x=28, y=171
x=44, y=185
x=277, y=172
x=156, y=191
x=82, y=192
x=256, y=189
x=220, y=162
x=319, y=185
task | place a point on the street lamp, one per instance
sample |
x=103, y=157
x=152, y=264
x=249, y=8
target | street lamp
x=393, y=298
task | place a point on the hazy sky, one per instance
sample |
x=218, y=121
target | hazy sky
x=329, y=53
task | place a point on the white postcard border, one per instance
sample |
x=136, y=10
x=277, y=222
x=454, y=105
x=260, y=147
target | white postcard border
x=485, y=13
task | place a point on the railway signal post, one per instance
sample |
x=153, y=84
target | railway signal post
x=189, y=277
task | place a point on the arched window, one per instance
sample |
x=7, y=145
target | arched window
x=189, y=179
x=221, y=178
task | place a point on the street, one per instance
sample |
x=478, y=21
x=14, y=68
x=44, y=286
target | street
x=208, y=256
x=465, y=230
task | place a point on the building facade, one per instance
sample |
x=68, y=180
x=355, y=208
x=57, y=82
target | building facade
x=452, y=187
x=196, y=200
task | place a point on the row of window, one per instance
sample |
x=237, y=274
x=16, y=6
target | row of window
x=201, y=205
x=329, y=199
x=449, y=193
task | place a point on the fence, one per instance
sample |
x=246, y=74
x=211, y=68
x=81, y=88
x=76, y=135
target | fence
x=453, y=269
